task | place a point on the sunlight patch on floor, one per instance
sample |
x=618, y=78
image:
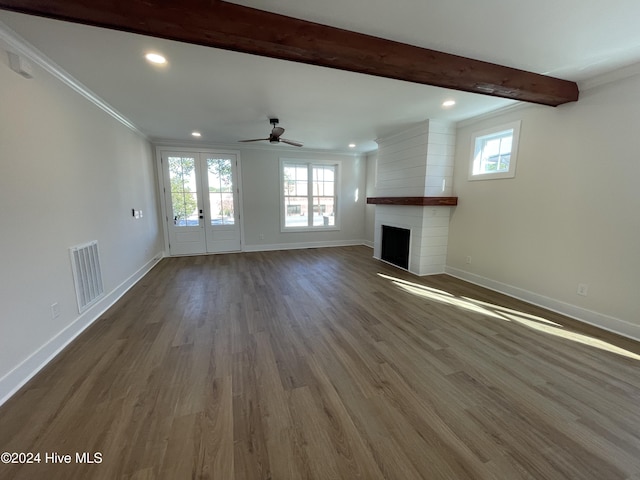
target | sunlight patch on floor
x=528, y=320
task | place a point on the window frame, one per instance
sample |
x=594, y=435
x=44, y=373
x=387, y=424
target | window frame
x=336, y=194
x=494, y=132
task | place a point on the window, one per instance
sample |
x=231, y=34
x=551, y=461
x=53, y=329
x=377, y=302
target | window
x=494, y=152
x=309, y=195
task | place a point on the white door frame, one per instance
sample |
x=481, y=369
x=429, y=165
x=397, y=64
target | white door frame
x=207, y=149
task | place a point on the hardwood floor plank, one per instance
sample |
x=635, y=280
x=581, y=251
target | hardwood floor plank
x=310, y=428
x=354, y=455
x=214, y=432
x=281, y=444
x=181, y=452
x=251, y=458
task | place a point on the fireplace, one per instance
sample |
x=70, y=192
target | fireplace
x=395, y=245
x=413, y=192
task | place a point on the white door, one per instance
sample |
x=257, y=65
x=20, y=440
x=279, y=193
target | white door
x=183, y=197
x=201, y=198
x=222, y=219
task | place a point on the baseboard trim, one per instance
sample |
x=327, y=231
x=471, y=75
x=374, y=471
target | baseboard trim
x=596, y=319
x=28, y=368
x=302, y=245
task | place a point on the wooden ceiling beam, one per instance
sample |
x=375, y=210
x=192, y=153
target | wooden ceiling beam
x=224, y=25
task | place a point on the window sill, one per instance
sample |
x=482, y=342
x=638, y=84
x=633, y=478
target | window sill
x=309, y=229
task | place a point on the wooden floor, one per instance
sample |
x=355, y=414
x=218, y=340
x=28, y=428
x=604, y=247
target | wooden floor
x=327, y=364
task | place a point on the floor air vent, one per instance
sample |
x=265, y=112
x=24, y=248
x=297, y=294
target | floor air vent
x=87, y=274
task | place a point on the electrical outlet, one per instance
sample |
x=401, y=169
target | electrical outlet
x=468, y=259
x=583, y=289
x=55, y=310
x=261, y=236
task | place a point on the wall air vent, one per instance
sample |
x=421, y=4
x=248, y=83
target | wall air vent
x=87, y=274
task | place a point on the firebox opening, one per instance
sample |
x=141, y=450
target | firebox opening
x=395, y=245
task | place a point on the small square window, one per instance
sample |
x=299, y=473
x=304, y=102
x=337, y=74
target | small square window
x=494, y=152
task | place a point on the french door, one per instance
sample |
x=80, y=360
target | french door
x=201, y=197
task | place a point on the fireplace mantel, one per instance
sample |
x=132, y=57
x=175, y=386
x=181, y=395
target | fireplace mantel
x=420, y=201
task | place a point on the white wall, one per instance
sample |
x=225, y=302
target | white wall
x=261, y=200
x=571, y=215
x=69, y=174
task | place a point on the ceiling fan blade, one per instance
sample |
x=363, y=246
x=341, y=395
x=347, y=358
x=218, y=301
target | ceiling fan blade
x=277, y=131
x=291, y=142
x=254, y=140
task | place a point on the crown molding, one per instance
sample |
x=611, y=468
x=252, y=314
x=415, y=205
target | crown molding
x=584, y=86
x=20, y=46
x=494, y=113
x=610, y=77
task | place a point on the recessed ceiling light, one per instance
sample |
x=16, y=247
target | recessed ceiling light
x=156, y=58
x=352, y=145
x=196, y=134
x=448, y=103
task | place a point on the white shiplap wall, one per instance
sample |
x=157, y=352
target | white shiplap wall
x=402, y=163
x=440, y=157
x=414, y=162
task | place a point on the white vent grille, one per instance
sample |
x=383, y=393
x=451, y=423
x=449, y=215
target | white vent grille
x=87, y=274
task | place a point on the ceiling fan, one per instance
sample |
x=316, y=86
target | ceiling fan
x=274, y=136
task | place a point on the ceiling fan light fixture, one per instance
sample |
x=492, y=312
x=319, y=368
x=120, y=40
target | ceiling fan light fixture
x=274, y=136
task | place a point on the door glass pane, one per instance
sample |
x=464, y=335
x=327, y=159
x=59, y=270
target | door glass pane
x=184, y=199
x=221, y=191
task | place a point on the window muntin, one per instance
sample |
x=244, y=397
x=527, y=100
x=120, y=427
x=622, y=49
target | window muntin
x=309, y=199
x=494, y=152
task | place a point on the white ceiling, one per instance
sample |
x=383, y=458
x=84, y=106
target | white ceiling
x=229, y=96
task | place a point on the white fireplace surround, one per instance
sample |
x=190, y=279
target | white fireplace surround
x=429, y=233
